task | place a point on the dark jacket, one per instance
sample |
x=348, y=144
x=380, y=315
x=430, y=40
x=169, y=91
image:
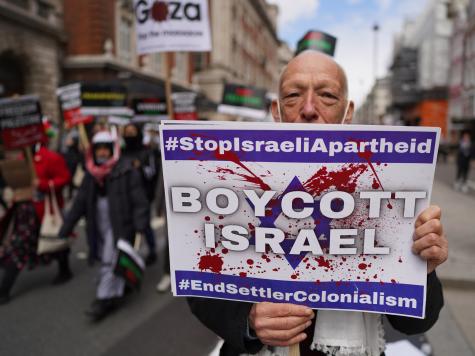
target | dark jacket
x=229, y=320
x=128, y=206
x=147, y=162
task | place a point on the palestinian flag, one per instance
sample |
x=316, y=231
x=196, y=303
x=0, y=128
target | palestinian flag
x=129, y=265
x=318, y=41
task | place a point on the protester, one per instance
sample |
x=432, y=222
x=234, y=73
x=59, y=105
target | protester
x=145, y=160
x=464, y=156
x=73, y=157
x=52, y=174
x=19, y=230
x=112, y=200
x=313, y=89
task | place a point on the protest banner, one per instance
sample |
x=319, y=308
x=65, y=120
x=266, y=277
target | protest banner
x=20, y=121
x=104, y=100
x=169, y=26
x=150, y=109
x=319, y=215
x=244, y=101
x=184, y=106
x=69, y=97
x=173, y=26
x=317, y=41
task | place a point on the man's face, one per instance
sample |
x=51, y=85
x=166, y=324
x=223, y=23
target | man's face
x=312, y=90
x=130, y=131
x=103, y=153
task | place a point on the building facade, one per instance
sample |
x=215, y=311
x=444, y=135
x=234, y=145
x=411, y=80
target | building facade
x=421, y=68
x=31, y=50
x=46, y=43
x=374, y=110
x=245, y=47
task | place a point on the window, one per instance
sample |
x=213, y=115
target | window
x=125, y=46
x=24, y=4
x=199, y=61
x=181, y=67
x=44, y=9
x=157, y=63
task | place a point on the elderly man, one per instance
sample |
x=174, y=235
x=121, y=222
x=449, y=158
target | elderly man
x=313, y=89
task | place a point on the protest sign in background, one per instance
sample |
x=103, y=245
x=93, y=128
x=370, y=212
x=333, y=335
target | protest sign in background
x=318, y=41
x=328, y=253
x=184, y=106
x=20, y=121
x=246, y=101
x=150, y=109
x=104, y=100
x=70, y=101
x=169, y=26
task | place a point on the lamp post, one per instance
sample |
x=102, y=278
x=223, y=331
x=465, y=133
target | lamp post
x=375, y=73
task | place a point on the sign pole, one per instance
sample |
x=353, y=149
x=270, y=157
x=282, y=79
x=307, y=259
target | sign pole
x=29, y=159
x=83, y=136
x=168, y=85
x=294, y=350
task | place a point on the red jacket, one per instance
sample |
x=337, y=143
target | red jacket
x=50, y=167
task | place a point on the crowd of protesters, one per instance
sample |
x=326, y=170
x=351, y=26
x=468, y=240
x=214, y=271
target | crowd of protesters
x=109, y=177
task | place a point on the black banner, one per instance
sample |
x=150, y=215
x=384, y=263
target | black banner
x=318, y=41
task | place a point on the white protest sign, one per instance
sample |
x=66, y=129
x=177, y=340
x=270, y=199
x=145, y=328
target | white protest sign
x=172, y=26
x=320, y=215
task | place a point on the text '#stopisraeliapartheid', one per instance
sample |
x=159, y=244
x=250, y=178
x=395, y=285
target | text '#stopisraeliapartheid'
x=324, y=146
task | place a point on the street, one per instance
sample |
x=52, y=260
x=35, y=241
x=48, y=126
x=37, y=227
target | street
x=46, y=320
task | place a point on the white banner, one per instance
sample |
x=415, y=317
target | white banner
x=172, y=26
x=320, y=215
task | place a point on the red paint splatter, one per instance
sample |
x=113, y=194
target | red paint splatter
x=344, y=179
x=252, y=178
x=389, y=206
x=375, y=184
x=293, y=276
x=366, y=155
x=362, y=266
x=225, y=250
x=250, y=262
x=207, y=218
x=317, y=281
x=242, y=274
x=322, y=262
x=220, y=217
x=214, y=263
x=393, y=281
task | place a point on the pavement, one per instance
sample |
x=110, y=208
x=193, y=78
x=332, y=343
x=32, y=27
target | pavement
x=454, y=333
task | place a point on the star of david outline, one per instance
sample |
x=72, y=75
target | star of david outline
x=321, y=229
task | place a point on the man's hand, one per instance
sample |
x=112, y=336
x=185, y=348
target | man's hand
x=279, y=324
x=429, y=239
